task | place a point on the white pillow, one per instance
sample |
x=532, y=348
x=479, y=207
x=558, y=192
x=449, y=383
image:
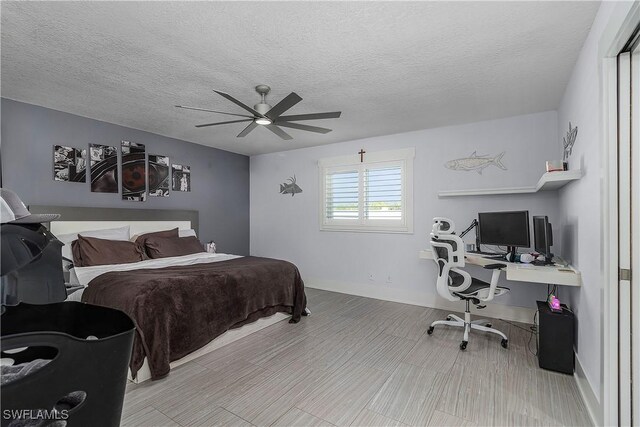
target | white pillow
x=187, y=233
x=73, y=277
x=121, y=233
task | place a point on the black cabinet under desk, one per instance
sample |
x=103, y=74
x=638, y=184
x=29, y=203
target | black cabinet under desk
x=556, y=335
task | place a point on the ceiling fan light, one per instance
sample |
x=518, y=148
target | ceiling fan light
x=263, y=121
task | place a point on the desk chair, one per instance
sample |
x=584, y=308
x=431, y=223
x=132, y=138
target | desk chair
x=455, y=284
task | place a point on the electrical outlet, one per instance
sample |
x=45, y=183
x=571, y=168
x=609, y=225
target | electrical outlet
x=371, y=277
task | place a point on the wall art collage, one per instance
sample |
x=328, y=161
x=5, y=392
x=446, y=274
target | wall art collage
x=137, y=177
x=69, y=164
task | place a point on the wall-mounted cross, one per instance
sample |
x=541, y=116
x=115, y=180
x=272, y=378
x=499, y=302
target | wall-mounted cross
x=361, y=152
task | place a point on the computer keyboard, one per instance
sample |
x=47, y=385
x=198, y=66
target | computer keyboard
x=485, y=253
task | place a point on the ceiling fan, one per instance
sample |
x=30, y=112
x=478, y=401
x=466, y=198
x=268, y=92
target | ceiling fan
x=270, y=117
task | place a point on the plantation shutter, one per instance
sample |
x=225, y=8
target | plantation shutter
x=383, y=193
x=342, y=195
x=373, y=194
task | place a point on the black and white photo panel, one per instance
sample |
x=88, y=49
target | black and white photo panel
x=69, y=164
x=103, y=172
x=134, y=176
x=159, y=175
x=181, y=178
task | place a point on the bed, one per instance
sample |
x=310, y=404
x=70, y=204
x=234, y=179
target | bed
x=205, y=300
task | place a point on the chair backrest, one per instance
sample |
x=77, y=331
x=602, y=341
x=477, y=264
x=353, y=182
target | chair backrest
x=448, y=253
x=442, y=226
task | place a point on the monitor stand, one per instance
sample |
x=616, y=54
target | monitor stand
x=511, y=253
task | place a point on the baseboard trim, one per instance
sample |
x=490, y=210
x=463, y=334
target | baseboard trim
x=590, y=399
x=424, y=299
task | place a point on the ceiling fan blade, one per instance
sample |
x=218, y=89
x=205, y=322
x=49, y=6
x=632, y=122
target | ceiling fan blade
x=311, y=116
x=282, y=134
x=211, y=111
x=238, y=103
x=282, y=106
x=224, y=123
x=304, y=127
x=251, y=126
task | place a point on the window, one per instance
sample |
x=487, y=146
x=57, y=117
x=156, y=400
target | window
x=373, y=195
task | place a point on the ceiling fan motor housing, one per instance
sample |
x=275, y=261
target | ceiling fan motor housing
x=262, y=108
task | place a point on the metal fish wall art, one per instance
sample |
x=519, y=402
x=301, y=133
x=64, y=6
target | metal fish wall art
x=476, y=163
x=290, y=187
x=568, y=141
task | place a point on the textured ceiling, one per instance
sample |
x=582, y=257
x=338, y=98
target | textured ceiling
x=388, y=66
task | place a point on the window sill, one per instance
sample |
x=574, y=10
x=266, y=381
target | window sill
x=404, y=230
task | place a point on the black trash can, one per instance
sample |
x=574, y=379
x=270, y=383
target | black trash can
x=88, y=348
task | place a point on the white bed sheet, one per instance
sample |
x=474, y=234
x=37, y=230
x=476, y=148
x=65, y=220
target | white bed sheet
x=87, y=274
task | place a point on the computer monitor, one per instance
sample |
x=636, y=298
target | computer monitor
x=509, y=229
x=542, y=237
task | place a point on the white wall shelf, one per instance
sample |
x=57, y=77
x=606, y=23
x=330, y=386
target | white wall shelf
x=550, y=181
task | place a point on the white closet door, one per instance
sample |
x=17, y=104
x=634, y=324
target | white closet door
x=624, y=237
x=634, y=220
x=629, y=235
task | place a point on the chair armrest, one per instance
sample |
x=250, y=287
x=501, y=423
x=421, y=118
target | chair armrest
x=495, y=276
x=494, y=266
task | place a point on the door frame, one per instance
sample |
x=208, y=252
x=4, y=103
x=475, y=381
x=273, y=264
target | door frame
x=619, y=29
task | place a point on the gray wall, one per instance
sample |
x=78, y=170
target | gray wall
x=219, y=179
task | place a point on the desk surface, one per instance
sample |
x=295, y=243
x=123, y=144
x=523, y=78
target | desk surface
x=547, y=274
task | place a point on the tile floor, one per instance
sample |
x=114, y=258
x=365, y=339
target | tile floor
x=361, y=362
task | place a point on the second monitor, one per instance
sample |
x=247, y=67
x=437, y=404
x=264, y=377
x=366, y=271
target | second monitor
x=510, y=229
x=543, y=238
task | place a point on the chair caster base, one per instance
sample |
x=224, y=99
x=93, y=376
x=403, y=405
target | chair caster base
x=463, y=345
x=448, y=318
x=504, y=343
x=430, y=330
x=489, y=325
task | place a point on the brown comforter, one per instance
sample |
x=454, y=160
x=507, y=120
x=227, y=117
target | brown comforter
x=179, y=309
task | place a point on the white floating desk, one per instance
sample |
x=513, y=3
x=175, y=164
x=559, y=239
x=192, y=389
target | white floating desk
x=548, y=274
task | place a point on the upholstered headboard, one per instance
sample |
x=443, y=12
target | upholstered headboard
x=77, y=219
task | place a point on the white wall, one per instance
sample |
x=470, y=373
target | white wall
x=580, y=202
x=287, y=227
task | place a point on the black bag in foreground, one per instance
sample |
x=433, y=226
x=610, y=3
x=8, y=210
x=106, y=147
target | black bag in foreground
x=83, y=353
